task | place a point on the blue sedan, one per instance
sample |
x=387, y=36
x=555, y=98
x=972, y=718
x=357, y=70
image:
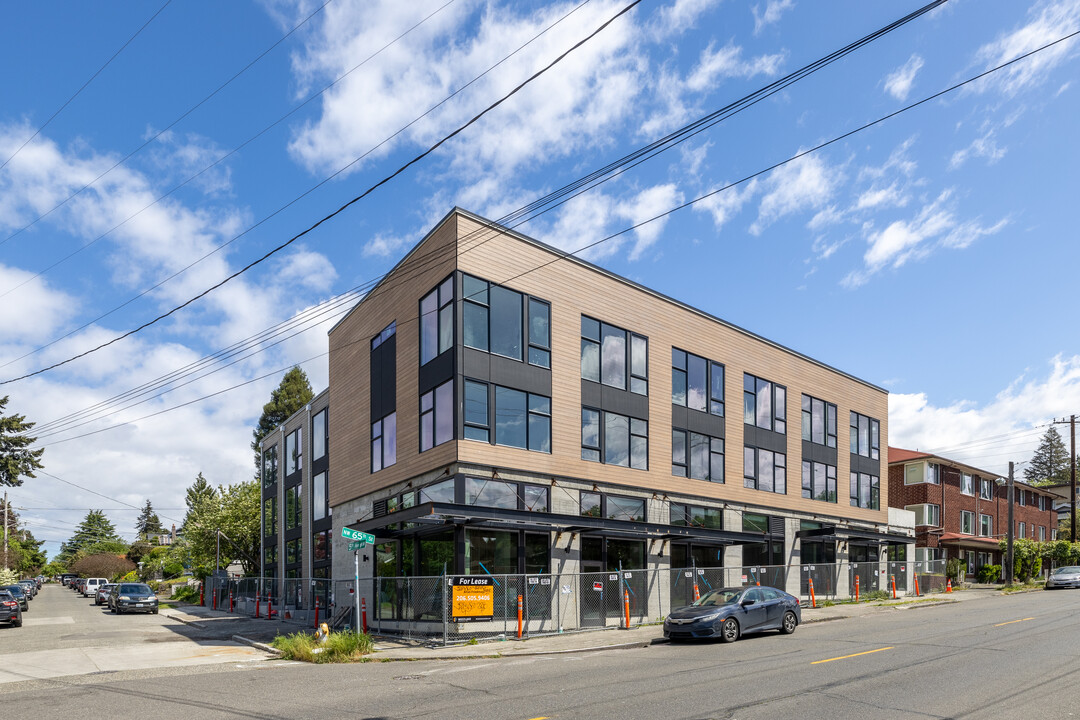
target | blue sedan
x=729, y=613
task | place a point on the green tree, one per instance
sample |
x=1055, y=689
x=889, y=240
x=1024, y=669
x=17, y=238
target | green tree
x=1050, y=463
x=149, y=523
x=16, y=459
x=95, y=528
x=293, y=393
x=235, y=512
x=199, y=492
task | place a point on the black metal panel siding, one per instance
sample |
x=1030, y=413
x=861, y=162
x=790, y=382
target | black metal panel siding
x=614, y=400
x=818, y=453
x=697, y=421
x=765, y=439
x=436, y=372
x=865, y=465
x=384, y=378
x=479, y=365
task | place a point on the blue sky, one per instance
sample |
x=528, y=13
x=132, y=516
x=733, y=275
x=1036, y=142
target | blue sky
x=932, y=254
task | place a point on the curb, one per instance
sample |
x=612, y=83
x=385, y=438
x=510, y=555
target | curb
x=374, y=657
x=257, y=645
x=179, y=619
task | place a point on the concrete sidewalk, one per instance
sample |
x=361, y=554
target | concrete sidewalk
x=388, y=649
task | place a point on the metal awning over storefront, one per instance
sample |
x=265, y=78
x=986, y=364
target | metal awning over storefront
x=839, y=532
x=969, y=542
x=435, y=516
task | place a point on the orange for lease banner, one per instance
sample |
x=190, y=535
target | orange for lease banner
x=472, y=598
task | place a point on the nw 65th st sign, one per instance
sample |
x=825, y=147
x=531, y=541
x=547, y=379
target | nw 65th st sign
x=362, y=537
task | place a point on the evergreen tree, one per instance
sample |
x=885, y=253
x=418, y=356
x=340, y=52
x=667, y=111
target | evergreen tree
x=293, y=393
x=95, y=531
x=16, y=460
x=148, y=523
x=199, y=493
x=1050, y=463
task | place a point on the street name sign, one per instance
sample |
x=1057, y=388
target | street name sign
x=357, y=535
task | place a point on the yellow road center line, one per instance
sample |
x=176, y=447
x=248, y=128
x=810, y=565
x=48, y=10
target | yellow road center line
x=540, y=718
x=1013, y=621
x=845, y=657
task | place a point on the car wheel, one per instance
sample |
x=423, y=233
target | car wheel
x=729, y=631
x=112, y=609
x=790, y=623
x=154, y=611
x=16, y=622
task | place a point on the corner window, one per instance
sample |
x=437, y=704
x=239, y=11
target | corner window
x=440, y=492
x=764, y=470
x=818, y=421
x=318, y=435
x=697, y=456
x=818, y=481
x=920, y=472
x=926, y=514
x=864, y=436
x=437, y=416
x=865, y=491
x=613, y=356
x=494, y=320
x=764, y=404
x=437, y=321
x=697, y=383
x=614, y=439
x=384, y=442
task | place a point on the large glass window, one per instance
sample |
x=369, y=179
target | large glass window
x=865, y=432
x=477, y=424
x=697, y=383
x=494, y=319
x=437, y=416
x=535, y=498
x=613, y=356
x=493, y=552
x=294, y=451
x=926, y=514
x=590, y=504
x=294, y=552
x=624, y=508
x=539, y=333
x=318, y=499
x=437, y=321
x=521, y=419
x=764, y=404
x=764, y=470
x=694, y=516
x=440, y=492
x=865, y=490
x=318, y=435
x=491, y=493
x=697, y=456
x=270, y=466
x=920, y=472
x=818, y=421
x=293, y=507
x=618, y=439
x=819, y=481
x=269, y=517
x=384, y=442
x=506, y=322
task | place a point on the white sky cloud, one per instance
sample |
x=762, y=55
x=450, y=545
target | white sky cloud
x=981, y=147
x=899, y=82
x=804, y=184
x=1047, y=21
x=51, y=307
x=771, y=13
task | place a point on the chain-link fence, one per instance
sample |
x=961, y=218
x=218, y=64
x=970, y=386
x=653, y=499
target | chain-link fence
x=422, y=608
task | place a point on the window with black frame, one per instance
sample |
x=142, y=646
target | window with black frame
x=764, y=470
x=614, y=439
x=818, y=421
x=697, y=456
x=697, y=383
x=437, y=321
x=614, y=357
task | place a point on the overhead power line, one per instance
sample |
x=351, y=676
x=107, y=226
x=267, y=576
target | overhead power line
x=348, y=204
x=79, y=92
x=563, y=255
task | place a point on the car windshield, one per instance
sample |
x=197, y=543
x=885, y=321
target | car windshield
x=716, y=598
x=135, y=589
x=15, y=589
x=1069, y=570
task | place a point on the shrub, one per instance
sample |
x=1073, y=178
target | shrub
x=186, y=593
x=105, y=565
x=988, y=573
x=339, y=647
x=875, y=595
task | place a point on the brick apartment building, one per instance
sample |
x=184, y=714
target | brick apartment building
x=961, y=511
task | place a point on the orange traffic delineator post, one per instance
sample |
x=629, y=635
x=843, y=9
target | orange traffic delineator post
x=626, y=607
x=201, y=599
x=258, y=597
x=856, y=588
x=316, y=613
x=363, y=613
x=519, y=617
x=215, y=598
x=948, y=585
x=230, y=601
x=916, y=584
x=813, y=600
x=269, y=607
x=893, y=579
x=697, y=593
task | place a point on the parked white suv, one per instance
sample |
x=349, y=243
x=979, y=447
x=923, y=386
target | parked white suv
x=91, y=585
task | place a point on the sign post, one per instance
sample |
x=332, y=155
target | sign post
x=358, y=541
x=356, y=588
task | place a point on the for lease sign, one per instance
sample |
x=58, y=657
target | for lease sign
x=472, y=597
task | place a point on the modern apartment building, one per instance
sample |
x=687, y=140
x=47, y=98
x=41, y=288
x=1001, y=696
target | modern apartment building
x=296, y=515
x=499, y=406
x=962, y=511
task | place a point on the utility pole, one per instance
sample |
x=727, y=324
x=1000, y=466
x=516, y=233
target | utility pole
x=1009, y=542
x=1072, y=478
x=5, y=530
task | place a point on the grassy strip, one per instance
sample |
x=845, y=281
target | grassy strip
x=339, y=647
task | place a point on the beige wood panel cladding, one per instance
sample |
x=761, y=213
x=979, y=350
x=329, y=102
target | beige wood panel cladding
x=397, y=299
x=574, y=289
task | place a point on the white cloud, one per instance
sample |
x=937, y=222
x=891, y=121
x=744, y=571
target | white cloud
x=772, y=13
x=916, y=423
x=680, y=16
x=180, y=157
x=901, y=241
x=980, y=147
x=726, y=204
x=899, y=82
x=1047, y=21
x=34, y=311
x=727, y=62
x=302, y=266
x=804, y=184
x=645, y=205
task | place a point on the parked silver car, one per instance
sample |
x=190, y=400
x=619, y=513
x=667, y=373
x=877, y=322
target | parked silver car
x=1064, y=577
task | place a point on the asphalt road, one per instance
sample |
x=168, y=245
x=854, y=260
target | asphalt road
x=66, y=634
x=999, y=657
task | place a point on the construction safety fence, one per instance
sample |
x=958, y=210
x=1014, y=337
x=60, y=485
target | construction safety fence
x=421, y=608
